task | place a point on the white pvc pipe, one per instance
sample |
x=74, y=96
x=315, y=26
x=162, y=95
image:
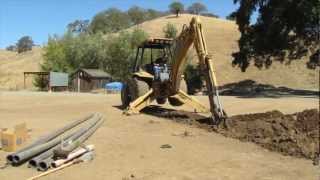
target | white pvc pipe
x=73, y=155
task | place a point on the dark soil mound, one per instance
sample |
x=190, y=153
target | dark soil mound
x=295, y=134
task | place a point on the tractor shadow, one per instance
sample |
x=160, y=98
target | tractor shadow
x=174, y=115
x=179, y=116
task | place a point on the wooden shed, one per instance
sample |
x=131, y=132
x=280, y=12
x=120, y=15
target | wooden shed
x=85, y=80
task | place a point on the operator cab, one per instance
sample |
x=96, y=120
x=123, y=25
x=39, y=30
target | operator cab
x=154, y=56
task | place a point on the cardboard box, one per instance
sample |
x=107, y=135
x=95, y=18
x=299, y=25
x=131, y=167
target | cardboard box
x=11, y=139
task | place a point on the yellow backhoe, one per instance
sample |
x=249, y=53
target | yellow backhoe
x=157, y=74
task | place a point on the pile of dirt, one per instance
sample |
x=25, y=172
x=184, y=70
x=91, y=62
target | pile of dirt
x=290, y=134
x=295, y=134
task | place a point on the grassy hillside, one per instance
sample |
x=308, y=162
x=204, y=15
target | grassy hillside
x=12, y=66
x=221, y=36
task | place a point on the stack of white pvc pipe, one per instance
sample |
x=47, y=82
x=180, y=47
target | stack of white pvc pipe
x=73, y=155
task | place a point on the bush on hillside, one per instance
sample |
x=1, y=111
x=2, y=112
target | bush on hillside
x=170, y=30
x=137, y=15
x=210, y=15
x=176, y=7
x=232, y=16
x=197, y=8
x=110, y=21
x=11, y=48
x=152, y=14
x=78, y=26
x=24, y=44
x=114, y=20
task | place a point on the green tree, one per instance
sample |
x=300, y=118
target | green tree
x=110, y=21
x=11, y=48
x=70, y=52
x=170, y=30
x=137, y=15
x=120, y=52
x=232, y=16
x=286, y=28
x=152, y=14
x=24, y=44
x=197, y=8
x=176, y=7
x=41, y=83
x=113, y=53
x=78, y=26
x=210, y=15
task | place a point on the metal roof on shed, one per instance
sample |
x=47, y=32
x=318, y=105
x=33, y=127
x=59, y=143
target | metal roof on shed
x=96, y=73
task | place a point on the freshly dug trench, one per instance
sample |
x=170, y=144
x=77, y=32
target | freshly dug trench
x=294, y=134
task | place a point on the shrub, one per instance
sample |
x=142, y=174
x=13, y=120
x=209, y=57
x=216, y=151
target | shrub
x=170, y=31
x=24, y=44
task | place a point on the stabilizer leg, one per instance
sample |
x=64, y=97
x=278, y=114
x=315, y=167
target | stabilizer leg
x=141, y=102
x=188, y=100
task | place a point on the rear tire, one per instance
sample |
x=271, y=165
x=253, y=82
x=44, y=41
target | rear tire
x=133, y=89
x=174, y=101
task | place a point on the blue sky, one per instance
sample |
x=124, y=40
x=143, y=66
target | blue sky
x=41, y=18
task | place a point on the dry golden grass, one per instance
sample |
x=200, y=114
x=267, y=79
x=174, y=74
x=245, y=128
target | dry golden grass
x=12, y=66
x=221, y=36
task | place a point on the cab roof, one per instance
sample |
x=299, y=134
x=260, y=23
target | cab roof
x=156, y=43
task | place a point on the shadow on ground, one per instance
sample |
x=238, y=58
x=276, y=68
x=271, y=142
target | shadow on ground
x=177, y=115
x=252, y=89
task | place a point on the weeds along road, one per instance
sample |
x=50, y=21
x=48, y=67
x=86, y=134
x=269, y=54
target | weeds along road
x=129, y=146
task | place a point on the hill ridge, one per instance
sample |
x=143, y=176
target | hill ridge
x=221, y=37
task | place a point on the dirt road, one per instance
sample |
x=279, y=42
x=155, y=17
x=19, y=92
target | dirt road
x=128, y=147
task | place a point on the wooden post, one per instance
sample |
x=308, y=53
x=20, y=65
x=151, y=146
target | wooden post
x=49, y=86
x=78, y=82
x=24, y=80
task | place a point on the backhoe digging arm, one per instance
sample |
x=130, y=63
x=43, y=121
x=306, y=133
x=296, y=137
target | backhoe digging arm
x=194, y=34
